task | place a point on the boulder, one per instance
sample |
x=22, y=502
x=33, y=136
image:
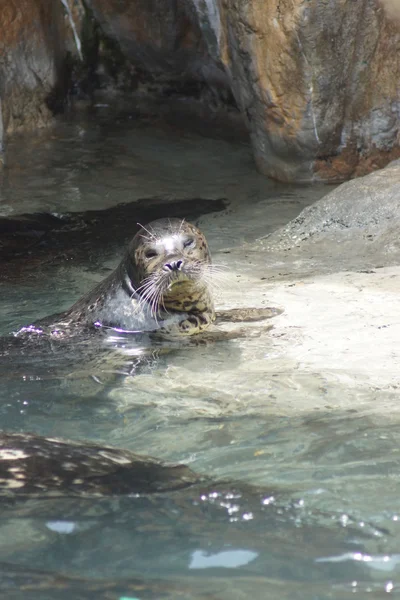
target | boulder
x=32, y=40
x=355, y=225
x=317, y=82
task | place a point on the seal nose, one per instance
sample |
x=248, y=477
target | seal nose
x=174, y=265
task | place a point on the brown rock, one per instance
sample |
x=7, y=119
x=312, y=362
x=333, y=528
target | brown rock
x=31, y=47
x=317, y=81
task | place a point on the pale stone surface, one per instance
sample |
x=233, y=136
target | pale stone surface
x=335, y=347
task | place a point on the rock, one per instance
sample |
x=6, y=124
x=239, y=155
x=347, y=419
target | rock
x=31, y=33
x=32, y=465
x=47, y=585
x=30, y=241
x=128, y=514
x=315, y=81
x=162, y=38
x=360, y=219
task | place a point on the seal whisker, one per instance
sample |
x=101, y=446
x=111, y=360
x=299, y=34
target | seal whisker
x=157, y=296
x=152, y=291
x=147, y=283
x=216, y=283
x=217, y=267
x=215, y=279
x=153, y=309
x=157, y=302
x=219, y=278
x=163, y=304
x=146, y=291
x=181, y=225
x=149, y=292
x=218, y=271
x=152, y=235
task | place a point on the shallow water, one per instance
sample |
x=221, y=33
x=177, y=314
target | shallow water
x=239, y=410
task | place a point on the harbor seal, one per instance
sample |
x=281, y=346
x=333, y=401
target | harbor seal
x=160, y=289
x=153, y=303
x=161, y=285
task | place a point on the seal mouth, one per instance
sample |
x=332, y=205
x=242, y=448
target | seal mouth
x=162, y=290
x=194, y=276
x=177, y=279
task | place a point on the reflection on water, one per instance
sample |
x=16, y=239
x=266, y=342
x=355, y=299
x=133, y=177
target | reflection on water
x=325, y=521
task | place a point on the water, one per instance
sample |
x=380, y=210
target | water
x=310, y=507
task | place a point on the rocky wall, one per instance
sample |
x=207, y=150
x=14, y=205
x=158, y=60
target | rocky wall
x=31, y=52
x=316, y=81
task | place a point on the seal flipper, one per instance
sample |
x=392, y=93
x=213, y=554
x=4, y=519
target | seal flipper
x=214, y=334
x=247, y=315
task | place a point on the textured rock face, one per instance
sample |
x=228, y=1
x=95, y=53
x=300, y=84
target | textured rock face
x=317, y=81
x=150, y=32
x=161, y=37
x=31, y=34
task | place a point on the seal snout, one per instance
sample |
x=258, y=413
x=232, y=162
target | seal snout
x=173, y=265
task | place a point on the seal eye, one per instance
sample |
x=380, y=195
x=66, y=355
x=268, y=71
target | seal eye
x=189, y=243
x=150, y=253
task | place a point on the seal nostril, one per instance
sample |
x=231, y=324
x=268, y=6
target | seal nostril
x=175, y=265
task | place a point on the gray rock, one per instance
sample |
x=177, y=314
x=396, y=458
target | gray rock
x=357, y=221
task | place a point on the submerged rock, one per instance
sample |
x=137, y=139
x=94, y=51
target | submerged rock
x=29, y=242
x=78, y=500
x=17, y=582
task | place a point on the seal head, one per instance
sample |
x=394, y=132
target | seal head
x=166, y=265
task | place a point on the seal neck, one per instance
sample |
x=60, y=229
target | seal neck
x=126, y=281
